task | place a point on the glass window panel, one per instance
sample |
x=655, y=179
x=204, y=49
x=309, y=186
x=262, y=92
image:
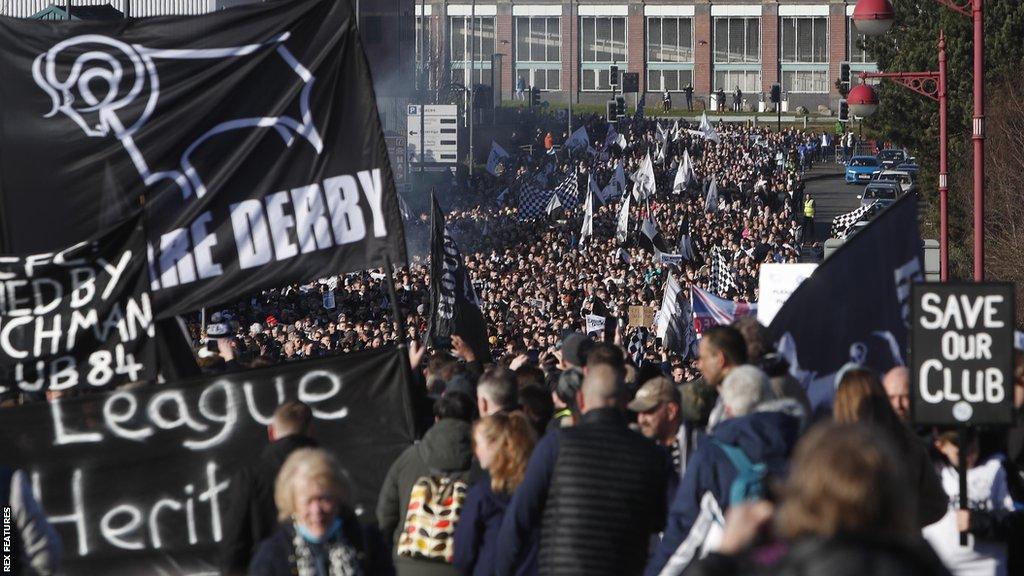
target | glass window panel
x=554, y=40
x=458, y=37
x=753, y=46
x=789, y=39
x=820, y=40
x=604, y=40
x=654, y=39
x=522, y=36
x=721, y=39
x=653, y=80
x=486, y=32
x=588, y=79
x=670, y=39
x=671, y=80
x=686, y=39
x=587, y=29
x=804, y=39
x=619, y=39
x=736, y=36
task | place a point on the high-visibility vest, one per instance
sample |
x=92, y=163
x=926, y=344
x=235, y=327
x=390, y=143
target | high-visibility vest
x=809, y=208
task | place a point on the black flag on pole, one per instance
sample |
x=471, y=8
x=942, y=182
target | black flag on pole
x=251, y=134
x=855, y=306
x=454, y=307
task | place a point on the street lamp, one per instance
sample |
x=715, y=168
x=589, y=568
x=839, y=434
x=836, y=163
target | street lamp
x=875, y=17
x=863, y=100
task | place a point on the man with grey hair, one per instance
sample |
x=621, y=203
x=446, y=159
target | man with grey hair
x=496, y=392
x=595, y=491
x=743, y=389
x=703, y=497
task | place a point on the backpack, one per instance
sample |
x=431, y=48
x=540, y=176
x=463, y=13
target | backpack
x=435, y=505
x=749, y=481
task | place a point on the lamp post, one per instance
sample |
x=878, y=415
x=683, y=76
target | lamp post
x=874, y=17
x=864, y=101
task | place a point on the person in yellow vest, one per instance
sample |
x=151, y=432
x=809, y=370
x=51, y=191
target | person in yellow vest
x=808, y=232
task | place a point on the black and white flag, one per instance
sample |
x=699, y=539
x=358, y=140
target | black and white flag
x=624, y=255
x=454, y=307
x=711, y=200
x=532, y=199
x=553, y=204
x=587, y=230
x=841, y=224
x=226, y=127
x=675, y=320
x=568, y=191
x=637, y=346
x=685, y=244
x=855, y=307
x=643, y=180
x=616, y=187
x=721, y=274
x=622, y=223
x=78, y=318
x=684, y=175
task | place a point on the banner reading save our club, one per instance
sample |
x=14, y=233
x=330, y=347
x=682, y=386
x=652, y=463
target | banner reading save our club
x=139, y=481
x=77, y=317
x=252, y=135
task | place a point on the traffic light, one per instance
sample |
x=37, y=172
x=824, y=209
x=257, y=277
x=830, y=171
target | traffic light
x=534, y=96
x=620, y=107
x=844, y=111
x=611, y=110
x=844, y=73
x=613, y=75
x=776, y=94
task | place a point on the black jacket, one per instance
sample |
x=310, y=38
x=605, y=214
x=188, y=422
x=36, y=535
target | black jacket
x=251, y=514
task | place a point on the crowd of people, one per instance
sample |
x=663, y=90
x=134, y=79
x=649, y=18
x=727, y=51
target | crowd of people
x=621, y=471
x=532, y=277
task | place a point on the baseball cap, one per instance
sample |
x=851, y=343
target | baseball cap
x=654, y=392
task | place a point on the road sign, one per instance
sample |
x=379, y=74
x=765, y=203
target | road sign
x=962, y=353
x=440, y=134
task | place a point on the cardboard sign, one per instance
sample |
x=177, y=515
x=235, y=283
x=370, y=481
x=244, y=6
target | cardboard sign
x=962, y=353
x=775, y=284
x=641, y=316
x=595, y=323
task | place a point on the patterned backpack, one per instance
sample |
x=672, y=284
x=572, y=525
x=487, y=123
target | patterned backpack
x=434, y=508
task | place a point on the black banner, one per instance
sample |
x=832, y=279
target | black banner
x=78, y=317
x=962, y=353
x=856, y=305
x=454, y=306
x=251, y=134
x=136, y=481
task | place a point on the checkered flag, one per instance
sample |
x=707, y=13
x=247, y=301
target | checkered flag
x=638, y=345
x=568, y=192
x=841, y=224
x=532, y=200
x=721, y=276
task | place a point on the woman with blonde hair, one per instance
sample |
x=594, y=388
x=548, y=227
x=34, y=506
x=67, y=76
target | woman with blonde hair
x=319, y=535
x=861, y=397
x=502, y=444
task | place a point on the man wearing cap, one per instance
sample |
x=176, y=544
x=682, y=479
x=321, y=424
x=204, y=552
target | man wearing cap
x=659, y=415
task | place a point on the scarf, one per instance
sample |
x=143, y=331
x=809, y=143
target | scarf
x=342, y=559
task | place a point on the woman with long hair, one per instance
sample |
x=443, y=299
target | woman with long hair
x=861, y=397
x=503, y=444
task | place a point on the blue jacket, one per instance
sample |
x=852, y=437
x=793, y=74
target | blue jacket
x=476, y=535
x=765, y=437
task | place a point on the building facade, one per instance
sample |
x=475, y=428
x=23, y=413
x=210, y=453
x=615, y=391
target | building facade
x=568, y=47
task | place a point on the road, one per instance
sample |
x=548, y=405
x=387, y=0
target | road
x=832, y=197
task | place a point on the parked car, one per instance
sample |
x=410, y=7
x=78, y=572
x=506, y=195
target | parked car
x=885, y=193
x=910, y=167
x=891, y=157
x=860, y=169
x=906, y=180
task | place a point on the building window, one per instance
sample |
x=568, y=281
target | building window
x=749, y=81
x=538, y=51
x=855, y=51
x=806, y=81
x=805, y=40
x=602, y=42
x=669, y=53
x=420, y=40
x=737, y=40
x=475, y=40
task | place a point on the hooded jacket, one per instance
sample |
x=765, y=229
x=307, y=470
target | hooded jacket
x=445, y=449
x=702, y=498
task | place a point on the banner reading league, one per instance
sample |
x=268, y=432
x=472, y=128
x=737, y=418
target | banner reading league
x=251, y=133
x=140, y=481
x=80, y=316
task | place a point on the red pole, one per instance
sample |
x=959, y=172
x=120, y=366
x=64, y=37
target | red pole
x=943, y=169
x=978, y=138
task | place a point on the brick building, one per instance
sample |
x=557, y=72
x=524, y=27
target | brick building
x=567, y=47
